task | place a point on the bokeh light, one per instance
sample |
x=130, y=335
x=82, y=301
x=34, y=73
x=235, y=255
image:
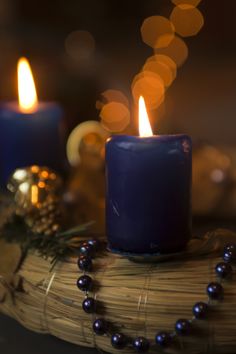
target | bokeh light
x=211, y=179
x=149, y=85
x=187, y=20
x=91, y=150
x=157, y=31
x=79, y=45
x=115, y=116
x=112, y=96
x=86, y=134
x=165, y=60
x=187, y=2
x=177, y=50
x=161, y=69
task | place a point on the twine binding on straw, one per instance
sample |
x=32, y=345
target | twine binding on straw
x=143, y=298
x=47, y=287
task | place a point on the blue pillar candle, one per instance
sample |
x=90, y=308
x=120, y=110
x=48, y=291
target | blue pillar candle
x=30, y=135
x=148, y=182
x=29, y=139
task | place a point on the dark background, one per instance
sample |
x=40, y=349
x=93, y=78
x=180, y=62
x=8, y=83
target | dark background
x=200, y=102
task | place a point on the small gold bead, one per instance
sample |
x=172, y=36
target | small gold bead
x=51, y=207
x=43, y=212
x=55, y=227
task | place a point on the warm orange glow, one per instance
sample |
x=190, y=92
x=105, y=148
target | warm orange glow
x=157, y=31
x=187, y=20
x=160, y=69
x=27, y=94
x=110, y=96
x=115, y=96
x=149, y=85
x=53, y=176
x=44, y=174
x=115, y=116
x=35, y=169
x=34, y=194
x=145, y=129
x=177, y=50
x=186, y=2
x=161, y=58
x=41, y=184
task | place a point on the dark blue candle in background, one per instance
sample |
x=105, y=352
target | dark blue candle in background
x=31, y=134
x=148, y=208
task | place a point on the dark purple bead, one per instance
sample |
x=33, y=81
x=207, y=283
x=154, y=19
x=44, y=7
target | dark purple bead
x=230, y=247
x=183, y=327
x=118, y=340
x=215, y=291
x=86, y=249
x=200, y=310
x=85, y=263
x=163, y=339
x=141, y=344
x=229, y=256
x=84, y=283
x=223, y=270
x=94, y=243
x=100, y=326
x=89, y=305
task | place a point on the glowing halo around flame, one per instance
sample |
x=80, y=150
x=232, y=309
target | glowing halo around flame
x=27, y=95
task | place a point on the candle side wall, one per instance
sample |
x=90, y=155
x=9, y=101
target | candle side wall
x=148, y=197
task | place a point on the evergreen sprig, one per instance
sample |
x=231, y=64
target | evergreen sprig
x=57, y=246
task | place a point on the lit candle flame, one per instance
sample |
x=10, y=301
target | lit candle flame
x=145, y=129
x=27, y=95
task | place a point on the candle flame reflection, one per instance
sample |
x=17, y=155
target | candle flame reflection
x=145, y=129
x=27, y=95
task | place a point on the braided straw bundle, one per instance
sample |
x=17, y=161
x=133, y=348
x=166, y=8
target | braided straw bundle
x=137, y=298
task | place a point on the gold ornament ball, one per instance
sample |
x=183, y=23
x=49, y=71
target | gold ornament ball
x=34, y=186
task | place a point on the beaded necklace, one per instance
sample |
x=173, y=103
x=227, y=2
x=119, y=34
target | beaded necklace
x=183, y=327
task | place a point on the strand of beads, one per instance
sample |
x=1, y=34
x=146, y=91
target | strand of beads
x=164, y=339
x=85, y=264
x=214, y=291
x=85, y=283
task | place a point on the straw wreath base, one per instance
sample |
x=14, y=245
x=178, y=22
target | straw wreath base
x=137, y=298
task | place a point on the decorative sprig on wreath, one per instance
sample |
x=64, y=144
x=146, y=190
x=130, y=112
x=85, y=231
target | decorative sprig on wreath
x=57, y=246
x=34, y=215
